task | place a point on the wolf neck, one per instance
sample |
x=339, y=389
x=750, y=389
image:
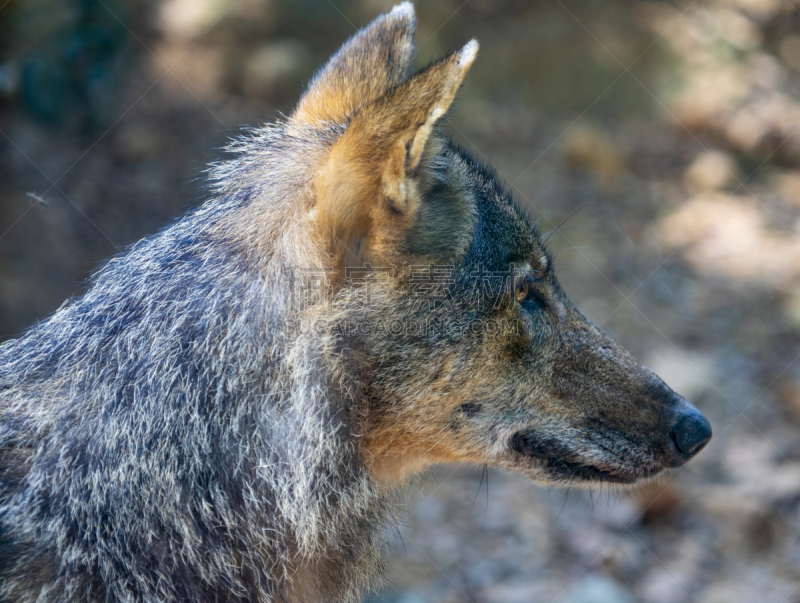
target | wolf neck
x=191, y=327
x=324, y=493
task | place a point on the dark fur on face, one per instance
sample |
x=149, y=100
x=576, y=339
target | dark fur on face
x=223, y=415
x=545, y=393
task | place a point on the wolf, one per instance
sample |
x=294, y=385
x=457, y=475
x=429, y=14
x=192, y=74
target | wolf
x=227, y=412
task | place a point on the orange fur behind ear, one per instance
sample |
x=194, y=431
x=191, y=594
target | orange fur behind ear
x=369, y=189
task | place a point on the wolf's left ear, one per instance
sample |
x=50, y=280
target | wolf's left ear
x=377, y=58
x=370, y=188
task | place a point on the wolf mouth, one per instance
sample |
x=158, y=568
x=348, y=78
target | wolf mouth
x=560, y=469
x=560, y=463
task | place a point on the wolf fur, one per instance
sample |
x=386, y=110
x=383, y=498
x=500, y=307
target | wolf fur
x=224, y=415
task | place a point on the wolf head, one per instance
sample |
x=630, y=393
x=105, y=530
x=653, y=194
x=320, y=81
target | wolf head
x=444, y=299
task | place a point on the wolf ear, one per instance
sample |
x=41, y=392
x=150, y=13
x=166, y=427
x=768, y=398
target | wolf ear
x=369, y=189
x=374, y=60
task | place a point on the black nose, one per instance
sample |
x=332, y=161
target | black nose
x=690, y=432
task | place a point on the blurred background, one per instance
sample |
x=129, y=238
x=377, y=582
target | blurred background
x=672, y=129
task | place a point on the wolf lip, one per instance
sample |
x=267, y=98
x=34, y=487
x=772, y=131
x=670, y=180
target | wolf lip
x=586, y=472
x=558, y=461
x=527, y=443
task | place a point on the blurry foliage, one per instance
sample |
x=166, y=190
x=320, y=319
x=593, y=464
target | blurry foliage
x=67, y=54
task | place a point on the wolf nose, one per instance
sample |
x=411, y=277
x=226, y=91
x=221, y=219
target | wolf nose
x=691, y=432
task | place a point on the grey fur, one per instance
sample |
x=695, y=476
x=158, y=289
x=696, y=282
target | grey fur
x=194, y=429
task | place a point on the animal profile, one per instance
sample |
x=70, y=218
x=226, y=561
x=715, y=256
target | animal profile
x=227, y=412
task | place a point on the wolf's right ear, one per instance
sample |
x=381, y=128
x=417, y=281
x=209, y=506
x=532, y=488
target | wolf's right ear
x=371, y=186
x=377, y=58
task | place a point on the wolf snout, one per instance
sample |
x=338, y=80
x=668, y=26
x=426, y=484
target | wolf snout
x=689, y=432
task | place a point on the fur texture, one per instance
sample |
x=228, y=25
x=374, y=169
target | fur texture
x=224, y=415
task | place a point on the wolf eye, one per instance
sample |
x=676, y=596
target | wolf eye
x=526, y=293
x=523, y=288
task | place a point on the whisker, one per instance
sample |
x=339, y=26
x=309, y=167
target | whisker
x=574, y=247
x=552, y=232
x=479, y=489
